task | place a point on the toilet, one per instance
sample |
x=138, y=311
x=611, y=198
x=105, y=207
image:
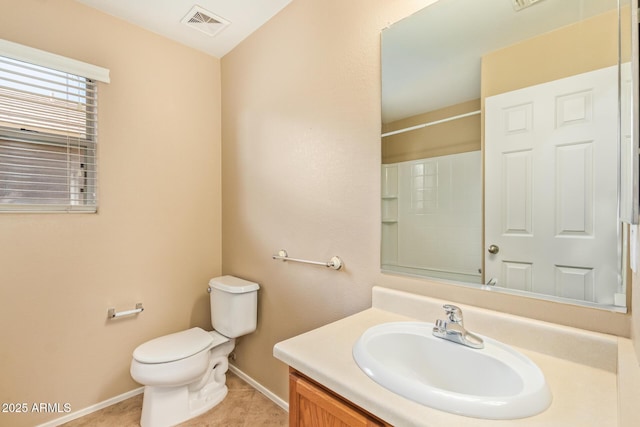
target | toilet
x=184, y=373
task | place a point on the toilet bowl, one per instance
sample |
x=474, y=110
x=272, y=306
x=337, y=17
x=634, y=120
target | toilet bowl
x=184, y=373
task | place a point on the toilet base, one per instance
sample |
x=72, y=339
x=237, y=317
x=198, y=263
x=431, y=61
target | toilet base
x=165, y=406
x=168, y=406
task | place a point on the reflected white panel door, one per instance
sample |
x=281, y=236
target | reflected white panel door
x=551, y=187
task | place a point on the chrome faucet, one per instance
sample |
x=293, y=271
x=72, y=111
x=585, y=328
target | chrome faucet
x=453, y=329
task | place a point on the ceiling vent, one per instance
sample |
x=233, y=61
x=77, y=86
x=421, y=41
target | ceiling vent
x=205, y=21
x=521, y=4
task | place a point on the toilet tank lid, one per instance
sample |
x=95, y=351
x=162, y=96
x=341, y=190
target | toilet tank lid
x=172, y=347
x=232, y=284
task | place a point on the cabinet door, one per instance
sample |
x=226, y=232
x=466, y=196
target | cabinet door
x=312, y=406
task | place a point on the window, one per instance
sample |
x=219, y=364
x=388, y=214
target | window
x=48, y=133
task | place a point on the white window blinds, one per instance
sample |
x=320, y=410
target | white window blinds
x=48, y=137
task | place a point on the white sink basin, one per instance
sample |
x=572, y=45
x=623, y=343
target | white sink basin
x=495, y=382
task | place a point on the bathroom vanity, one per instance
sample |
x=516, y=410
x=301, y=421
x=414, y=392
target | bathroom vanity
x=593, y=377
x=310, y=402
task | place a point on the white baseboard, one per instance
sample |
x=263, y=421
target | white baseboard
x=93, y=408
x=124, y=396
x=262, y=389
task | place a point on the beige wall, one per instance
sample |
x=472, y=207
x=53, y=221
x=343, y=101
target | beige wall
x=156, y=238
x=586, y=46
x=301, y=171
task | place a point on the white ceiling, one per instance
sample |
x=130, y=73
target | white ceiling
x=163, y=17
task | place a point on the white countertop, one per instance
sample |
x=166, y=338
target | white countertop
x=582, y=375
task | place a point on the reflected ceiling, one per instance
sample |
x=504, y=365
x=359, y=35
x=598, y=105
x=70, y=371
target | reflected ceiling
x=488, y=25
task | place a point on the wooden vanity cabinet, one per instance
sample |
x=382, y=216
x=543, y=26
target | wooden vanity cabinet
x=312, y=405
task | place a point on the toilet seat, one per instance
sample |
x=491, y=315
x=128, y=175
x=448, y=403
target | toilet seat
x=186, y=366
x=177, y=346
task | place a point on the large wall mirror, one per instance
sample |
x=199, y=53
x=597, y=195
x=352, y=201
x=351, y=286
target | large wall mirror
x=509, y=146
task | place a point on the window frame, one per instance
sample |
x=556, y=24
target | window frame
x=49, y=145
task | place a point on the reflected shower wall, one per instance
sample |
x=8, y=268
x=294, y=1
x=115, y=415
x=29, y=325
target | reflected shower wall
x=431, y=217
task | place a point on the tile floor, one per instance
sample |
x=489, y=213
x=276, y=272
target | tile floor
x=244, y=406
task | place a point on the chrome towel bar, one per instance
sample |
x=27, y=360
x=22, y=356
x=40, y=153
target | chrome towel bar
x=112, y=313
x=335, y=262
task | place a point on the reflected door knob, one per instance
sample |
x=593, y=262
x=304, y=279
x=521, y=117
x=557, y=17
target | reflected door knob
x=493, y=249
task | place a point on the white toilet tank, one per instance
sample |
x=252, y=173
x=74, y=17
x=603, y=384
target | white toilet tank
x=234, y=305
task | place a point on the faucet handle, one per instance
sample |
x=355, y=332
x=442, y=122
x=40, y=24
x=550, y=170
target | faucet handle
x=454, y=313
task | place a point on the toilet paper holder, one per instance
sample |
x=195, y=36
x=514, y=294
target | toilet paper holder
x=112, y=313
